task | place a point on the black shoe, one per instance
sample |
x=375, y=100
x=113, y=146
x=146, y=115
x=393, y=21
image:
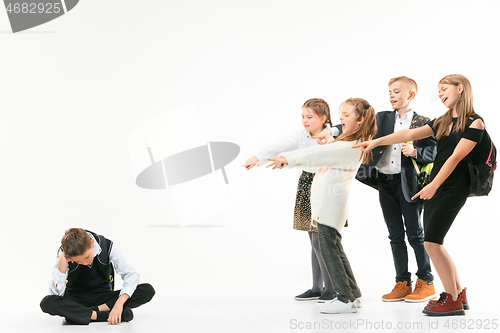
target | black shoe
x=308, y=295
x=127, y=315
x=326, y=296
x=70, y=322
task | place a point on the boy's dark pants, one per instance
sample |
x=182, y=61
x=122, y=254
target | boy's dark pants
x=337, y=264
x=77, y=306
x=395, y=207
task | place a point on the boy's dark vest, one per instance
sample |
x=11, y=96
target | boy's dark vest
x=101, y=270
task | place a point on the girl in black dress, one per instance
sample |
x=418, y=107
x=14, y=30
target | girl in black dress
x=449, y=187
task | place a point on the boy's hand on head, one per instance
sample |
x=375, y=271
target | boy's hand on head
x=277, y=163
x=63, y=262
x=323, y=137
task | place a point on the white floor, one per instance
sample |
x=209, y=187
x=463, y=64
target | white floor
x=241, y=275
x=242, y=278
x=262, y=311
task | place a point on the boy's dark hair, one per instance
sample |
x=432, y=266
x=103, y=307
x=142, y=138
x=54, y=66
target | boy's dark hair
x=75, y=242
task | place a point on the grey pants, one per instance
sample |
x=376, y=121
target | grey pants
x=319, y=272
x=337, y=264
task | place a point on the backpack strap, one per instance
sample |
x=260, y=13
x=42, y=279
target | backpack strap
x=486, y=135
x=416, y=166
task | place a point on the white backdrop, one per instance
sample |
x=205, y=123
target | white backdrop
x=73, y=90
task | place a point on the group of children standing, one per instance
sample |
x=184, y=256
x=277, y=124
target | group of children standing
x=404, y=141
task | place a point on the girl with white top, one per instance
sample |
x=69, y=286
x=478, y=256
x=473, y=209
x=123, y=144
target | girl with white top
x=315, y=119
x=337, y=165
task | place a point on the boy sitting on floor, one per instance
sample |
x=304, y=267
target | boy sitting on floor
x=82, y=283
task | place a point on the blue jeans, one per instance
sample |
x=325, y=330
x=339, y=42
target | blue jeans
x=395, y=208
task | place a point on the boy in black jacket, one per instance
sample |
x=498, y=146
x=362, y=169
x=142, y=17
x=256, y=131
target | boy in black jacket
x=393, y=173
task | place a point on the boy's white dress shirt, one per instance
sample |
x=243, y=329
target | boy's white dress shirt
x=122, y=267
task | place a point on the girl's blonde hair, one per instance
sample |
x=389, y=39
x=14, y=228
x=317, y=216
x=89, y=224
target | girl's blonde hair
x=464, y=107
x=368, y=127
x=321, y=108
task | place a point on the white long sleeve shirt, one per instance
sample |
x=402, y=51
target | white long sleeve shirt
x=390, y=161
x=300, y=140
x=122, y=267
x=337, y=165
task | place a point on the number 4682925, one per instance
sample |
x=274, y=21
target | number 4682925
x=34, y=8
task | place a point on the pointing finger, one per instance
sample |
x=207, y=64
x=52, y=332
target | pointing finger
x=416, y=196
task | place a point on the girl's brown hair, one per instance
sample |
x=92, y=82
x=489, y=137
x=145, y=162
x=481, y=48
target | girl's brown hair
x=75, y=242
x=464, y=107
x=321, y=108
x=368, y=127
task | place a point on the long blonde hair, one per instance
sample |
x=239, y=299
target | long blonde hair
x=464, y=107
x=368, y=127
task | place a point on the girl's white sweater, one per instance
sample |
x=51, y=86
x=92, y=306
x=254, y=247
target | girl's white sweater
x=337, y=165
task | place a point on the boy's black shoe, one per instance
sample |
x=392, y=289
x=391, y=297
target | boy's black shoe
x=127, y=315
x=102, y=316
x=70, y=322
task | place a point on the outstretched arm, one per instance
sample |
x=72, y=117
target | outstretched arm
x=277, y=163
x=251, y=162
x=272, y=151
x=398, y=137
x=330, y=155
x=323, y=137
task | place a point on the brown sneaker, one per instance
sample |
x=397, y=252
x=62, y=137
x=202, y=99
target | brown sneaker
x=424, y=290
x=445, y=306
x=400, y=291
x=465, y=303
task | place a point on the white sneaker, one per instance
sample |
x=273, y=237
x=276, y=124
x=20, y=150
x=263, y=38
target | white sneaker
x=337, y=306
x=357, y=301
